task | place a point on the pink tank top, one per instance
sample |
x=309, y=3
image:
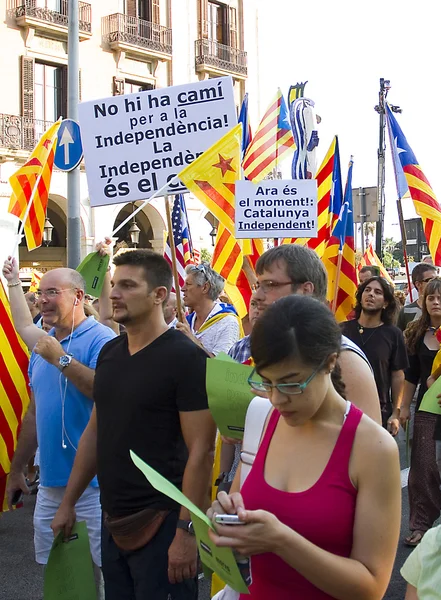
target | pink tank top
x=324, y=514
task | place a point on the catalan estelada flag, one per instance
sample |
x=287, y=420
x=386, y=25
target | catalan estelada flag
x=31, y=184
x=424, y=199
x=324, y=189
x=343, y=277
x=212, y=176
x=35, y=280
x=14, y=390
x=272, y=142
x=370, y=258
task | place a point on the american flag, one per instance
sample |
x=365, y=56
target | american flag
x=181, y=236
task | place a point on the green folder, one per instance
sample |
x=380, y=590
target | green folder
x=69, y=571
x=219, y=560
x=229, y=394
x=429, y=403
x=93, y=269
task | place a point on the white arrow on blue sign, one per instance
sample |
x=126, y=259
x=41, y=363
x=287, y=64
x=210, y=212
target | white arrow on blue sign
x=69, y=150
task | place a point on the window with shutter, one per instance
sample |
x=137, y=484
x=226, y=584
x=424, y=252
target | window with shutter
x=203, y=18
x=156, y=17
x=131, y=8
x=118, y=86
x=233, y=41
x=27, y=101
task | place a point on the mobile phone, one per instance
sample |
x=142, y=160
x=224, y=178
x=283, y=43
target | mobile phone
x=17, y=497
x=228, y=520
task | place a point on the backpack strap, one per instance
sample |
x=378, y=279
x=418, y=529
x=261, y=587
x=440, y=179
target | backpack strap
x=254, y=423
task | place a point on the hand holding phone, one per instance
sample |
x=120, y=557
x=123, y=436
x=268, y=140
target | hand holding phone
x=228, y=520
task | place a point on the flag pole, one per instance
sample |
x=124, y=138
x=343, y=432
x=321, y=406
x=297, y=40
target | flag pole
x=171, y=239
x=19, y=235
x=404, y=243
x=144, y=204
x=337, y=281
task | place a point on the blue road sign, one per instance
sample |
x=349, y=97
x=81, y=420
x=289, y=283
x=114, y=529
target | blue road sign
x=69, y=150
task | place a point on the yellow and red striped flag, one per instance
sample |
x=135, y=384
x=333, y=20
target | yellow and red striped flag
x=370, y=258
x=227, y=256
x=14, y=390
x=324, y=188
x=212, y=176
x=31, y=183
x=35, y=280
x=424, y=199
x=272, y=142
x=342, y=282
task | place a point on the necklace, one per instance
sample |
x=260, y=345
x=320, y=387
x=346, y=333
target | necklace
x=364, y=340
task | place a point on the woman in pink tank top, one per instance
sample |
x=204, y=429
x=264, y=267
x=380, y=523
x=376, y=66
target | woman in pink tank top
x=321, y=505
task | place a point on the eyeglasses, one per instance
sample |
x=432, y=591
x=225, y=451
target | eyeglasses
x=291, y=389
x=426, y=280
x=267, y=286
x=50, y=294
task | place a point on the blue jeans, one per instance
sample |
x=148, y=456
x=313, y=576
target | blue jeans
x=143, y=574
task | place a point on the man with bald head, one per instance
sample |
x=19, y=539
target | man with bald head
x=61, y=374
x=170, y=311
x=31, y=301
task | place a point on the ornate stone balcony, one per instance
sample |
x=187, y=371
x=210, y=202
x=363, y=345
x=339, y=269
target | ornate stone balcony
x=20, y=133
x=137, y=36
x=219, y=59
x=43, y=17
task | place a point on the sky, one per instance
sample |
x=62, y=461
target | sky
x=342, y=49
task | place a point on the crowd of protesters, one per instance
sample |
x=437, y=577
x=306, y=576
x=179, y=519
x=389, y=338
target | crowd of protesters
x=127, y=372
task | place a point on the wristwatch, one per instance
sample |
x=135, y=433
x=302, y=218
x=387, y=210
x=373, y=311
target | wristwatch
x=186, y=526
x=64, y=361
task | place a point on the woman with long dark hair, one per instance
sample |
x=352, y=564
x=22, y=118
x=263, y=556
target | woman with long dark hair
x=424, y=479
x=321, y=505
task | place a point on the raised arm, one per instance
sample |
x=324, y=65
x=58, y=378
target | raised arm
x=21, y=314
x=83, y=471
x=105, y=303
x=361, y=389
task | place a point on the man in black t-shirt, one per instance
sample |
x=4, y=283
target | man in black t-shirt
x=383, y=344
x=149, y=397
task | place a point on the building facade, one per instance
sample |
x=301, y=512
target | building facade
x=126, y=46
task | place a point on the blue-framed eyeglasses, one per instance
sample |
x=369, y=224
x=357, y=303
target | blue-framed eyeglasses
x=291, y=389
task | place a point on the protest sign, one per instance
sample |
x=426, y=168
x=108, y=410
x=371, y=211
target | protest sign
x=429, y=403
x=69, y=572
x=276, y=208
x=228, y=394
x=219, y=560
x=93, y=268
x=134, y=144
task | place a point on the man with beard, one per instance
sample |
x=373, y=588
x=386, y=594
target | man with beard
x=149, y=397
x=383, y=344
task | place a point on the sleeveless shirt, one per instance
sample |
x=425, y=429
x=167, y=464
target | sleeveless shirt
x=324, y=514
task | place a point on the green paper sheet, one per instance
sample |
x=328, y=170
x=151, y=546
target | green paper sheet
x=219, y=560
x=93, y=268
x=228, y=394
x=429, y=403
x=69, y=571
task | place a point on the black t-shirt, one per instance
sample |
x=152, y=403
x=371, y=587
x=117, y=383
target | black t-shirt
x=420, y=367
x=138, y=399
x=385, y=349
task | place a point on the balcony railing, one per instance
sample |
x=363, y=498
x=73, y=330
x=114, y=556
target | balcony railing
x=221, y=57
x=54, y=12
x=21, y=133
x=119, y=29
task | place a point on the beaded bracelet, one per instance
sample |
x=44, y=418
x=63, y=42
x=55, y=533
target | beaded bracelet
x=14, y=284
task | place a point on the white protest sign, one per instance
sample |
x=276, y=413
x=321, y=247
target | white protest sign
x=276, y=208
x=134, y=144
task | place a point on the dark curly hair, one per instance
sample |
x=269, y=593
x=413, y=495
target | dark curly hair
x=388, y=314
x=417, y=329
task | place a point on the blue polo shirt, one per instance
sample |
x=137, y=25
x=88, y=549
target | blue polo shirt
x=48, y=385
